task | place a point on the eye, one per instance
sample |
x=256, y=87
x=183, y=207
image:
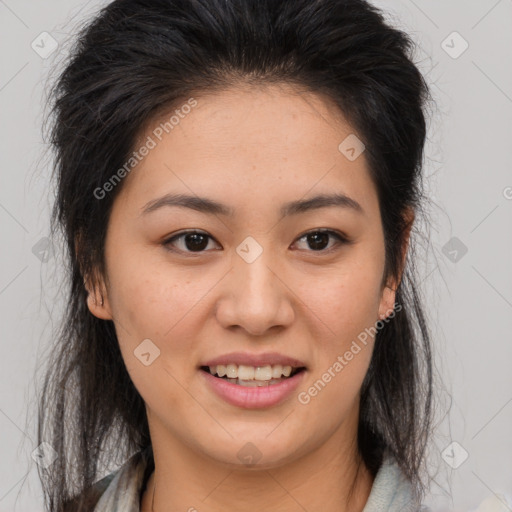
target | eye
x=189, y=241
x=318, y=239
x=197, y=241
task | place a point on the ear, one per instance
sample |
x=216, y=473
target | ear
x=389, y=292
x=97, y=298
x=98, y=303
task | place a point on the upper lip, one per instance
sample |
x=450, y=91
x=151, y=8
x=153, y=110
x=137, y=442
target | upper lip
x=247, y=359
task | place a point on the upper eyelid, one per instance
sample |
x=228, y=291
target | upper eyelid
x=324, y=230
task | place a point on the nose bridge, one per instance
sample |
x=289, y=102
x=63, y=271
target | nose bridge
x=255, y=281
x=258, y=299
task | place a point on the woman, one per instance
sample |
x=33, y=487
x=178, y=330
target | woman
x=237, y=183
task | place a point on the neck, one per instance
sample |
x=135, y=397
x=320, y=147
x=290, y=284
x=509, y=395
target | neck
x=326, y=479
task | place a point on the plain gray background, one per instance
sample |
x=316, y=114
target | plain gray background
x=466, y=269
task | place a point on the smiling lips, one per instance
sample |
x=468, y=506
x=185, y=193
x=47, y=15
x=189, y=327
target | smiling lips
x=252, y=394
x=248, y=369
x=232, y=371
x=254, y=360
x=253, y=381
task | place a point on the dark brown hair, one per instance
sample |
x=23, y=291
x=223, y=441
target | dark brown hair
x=137, y=59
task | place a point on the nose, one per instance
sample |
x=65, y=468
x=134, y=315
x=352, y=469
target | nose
x=255, y=297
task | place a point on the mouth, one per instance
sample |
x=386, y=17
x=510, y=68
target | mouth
x=261, y=386
x=253, y=376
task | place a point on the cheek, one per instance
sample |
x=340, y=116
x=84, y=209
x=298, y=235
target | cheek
x=348, y=305
x=152, y=305
x=347, y=300
x=162, y=307
x=150, y=296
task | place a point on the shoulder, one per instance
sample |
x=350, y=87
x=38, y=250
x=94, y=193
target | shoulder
x=120, y=490
x=392, y=491
x=91, y=496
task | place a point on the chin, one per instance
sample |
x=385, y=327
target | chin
x=255, y=454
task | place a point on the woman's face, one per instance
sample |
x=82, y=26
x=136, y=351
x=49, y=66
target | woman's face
x=252, y=282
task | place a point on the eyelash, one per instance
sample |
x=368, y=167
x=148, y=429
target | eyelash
x=341, y=240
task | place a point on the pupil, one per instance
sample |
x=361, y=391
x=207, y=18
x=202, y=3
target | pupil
x=313, y=240
x=196, y=241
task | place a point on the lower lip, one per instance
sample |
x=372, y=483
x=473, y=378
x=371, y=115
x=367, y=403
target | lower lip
x=253, y=397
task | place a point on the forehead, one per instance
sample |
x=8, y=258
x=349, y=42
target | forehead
x=277, y=119
x=273, y=140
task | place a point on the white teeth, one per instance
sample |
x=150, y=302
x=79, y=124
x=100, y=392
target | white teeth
x=277, y=371
x=231, y=371
x=248, y=373
x=262, y=373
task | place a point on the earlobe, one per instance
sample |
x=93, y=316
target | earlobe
x=97, y=301
x=98, y=304
x=387, y=302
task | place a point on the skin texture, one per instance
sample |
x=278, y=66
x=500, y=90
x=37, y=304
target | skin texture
x=252, y=149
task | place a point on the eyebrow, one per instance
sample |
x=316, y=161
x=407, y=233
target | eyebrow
x=212, y=207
